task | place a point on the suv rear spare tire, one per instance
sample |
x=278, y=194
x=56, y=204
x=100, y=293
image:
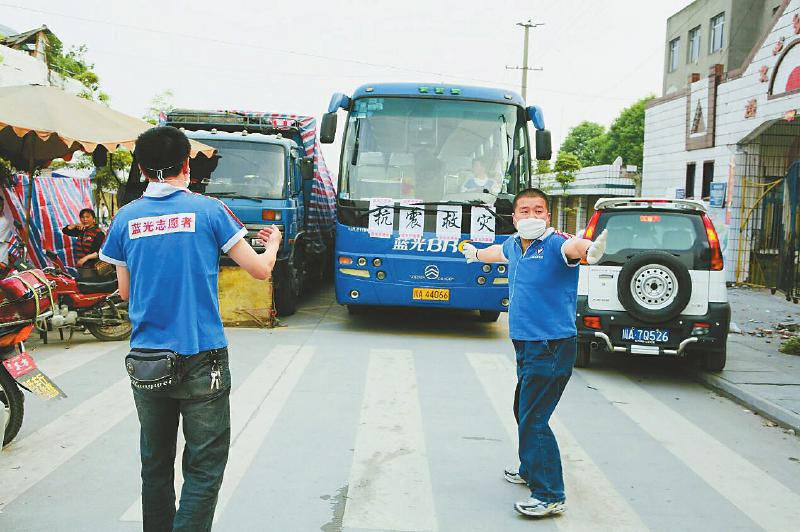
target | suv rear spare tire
x=654, y=286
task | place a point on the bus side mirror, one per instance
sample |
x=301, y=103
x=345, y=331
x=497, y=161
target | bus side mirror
x=327, y=131
x=544, y=148
x=307, y=168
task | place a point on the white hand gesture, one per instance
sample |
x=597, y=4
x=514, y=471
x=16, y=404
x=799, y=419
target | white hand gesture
x=598, y=247
x=470, y=252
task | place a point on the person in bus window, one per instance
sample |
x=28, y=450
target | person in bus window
x=480, y=179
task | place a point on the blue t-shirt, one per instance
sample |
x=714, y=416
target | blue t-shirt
x=543, y=288
x=170, y=240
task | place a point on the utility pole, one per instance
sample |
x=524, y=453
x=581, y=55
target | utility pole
x=527, y=25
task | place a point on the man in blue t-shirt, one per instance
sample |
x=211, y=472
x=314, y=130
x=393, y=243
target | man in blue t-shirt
x=543, y=293
x=166, y=248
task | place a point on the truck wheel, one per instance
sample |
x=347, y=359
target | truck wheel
x=286, y=291
x=654, y=286
x=14, y=404
x=584, y=355
x=489, y=315
x=715, y=359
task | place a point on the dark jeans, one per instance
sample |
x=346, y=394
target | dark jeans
x=207, y=429
x=543, y=370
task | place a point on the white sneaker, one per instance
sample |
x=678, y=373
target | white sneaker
x=511, y=474
x=536, y=508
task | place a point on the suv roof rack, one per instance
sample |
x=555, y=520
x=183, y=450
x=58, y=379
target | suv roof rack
x=660, y=203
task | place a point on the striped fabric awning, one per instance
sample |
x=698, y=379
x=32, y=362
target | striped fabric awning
x=56, y=203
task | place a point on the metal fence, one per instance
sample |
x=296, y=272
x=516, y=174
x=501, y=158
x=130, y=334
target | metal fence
x=766, y=205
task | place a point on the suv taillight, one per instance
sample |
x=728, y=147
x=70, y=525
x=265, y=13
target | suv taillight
x=713, y=241
x=590, y=228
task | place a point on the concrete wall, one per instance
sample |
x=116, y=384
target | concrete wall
x=665, y=154
x=19, y=68
x=745, y=21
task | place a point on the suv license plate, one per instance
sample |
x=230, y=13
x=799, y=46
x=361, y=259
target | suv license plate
x=431, y=294
x=645, y=336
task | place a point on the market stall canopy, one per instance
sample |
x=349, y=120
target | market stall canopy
x=42, y=123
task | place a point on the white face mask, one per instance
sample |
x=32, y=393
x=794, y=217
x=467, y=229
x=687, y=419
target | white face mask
x=531, y=228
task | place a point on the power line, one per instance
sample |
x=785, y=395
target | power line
x=493, y=82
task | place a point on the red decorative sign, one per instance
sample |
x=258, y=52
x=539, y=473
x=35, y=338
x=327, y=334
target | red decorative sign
x=763, y=71
x=19, y=365
x=750, y=108
x=778, y=46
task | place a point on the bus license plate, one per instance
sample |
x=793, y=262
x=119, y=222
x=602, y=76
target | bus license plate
x=256, y=242
x=646, y=336
x=431, y=294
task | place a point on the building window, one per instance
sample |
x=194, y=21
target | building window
x=693, y=51
x=674, y=48
x=708, y=178
x=717, y=27
x=690, y=180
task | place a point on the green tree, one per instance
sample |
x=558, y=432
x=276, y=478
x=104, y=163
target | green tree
x=72, y=64
x=160, y=102
x=543, y=167
x=567, y=164
x=585, y=141
x=625, y=137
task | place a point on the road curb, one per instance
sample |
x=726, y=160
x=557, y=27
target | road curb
x=768, y=409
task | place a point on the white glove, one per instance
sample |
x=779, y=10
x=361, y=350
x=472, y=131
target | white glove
x=470, y=252
x=598, y=247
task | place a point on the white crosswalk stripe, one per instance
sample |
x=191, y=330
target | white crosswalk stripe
x=593, y=502
x=75, y=357
x=26, y=462
x=254, y=406
x=390, y=486
x=763, y=499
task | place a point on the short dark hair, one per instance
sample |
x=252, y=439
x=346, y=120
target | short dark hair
x=162, y=148
x=531, y=193
x=89, y=211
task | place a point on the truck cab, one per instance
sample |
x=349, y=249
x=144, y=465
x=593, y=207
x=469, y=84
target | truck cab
x=264, y=177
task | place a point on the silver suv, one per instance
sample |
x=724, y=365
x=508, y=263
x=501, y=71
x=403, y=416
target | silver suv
x=660, y=287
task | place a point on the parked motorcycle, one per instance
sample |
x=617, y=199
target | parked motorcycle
x=93, y=305
x=26, y=299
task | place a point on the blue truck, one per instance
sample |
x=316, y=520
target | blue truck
x=425, y=168
x=268, y=169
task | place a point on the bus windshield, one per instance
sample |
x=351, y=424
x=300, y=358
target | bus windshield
x=433, y=150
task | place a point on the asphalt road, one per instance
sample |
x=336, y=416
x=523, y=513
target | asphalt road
x=401, y=420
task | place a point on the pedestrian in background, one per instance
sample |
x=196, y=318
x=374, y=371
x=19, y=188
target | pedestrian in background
x=166, y=248
x=543, y=292
x=88, y=241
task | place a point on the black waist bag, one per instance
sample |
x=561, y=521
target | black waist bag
x=157, y=371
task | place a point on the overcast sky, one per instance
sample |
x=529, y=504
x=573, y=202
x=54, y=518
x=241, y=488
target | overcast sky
x=597, y=56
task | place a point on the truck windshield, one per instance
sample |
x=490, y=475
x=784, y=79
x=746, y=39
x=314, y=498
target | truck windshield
x=433, y=150
x=247, y=169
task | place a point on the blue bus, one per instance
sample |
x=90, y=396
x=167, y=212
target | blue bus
x=424, y=169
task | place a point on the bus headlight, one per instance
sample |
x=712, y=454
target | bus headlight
x=381, y=275
x=362, y=261
x=501, y=268
x=486, y=268
x=354, y=294
x=481, y=280
x=377, y=262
